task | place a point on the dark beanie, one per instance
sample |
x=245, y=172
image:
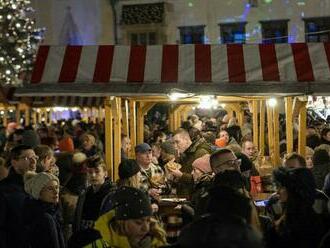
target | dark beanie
x=128, y=168
x=246, y=163
x=131, y=203
x=168, y=147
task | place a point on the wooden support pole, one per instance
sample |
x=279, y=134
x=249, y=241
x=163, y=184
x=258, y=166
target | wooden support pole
x=270, y=132
x=276, y=146
x=262, y=128
x=100, y=113
x=27, y=116
x=38, y=116
x=18, y=114
x=108, y=136
x=240, y=118
x=5, y=116
x=178, y=118
x=302, y=129
x=185, y=112
x=289, y=124
x=142, y=110
x=140, y=124
x=132, y=126
x=255, y=123
x=125, y=119
x=34, y=117
x=50, y=114
x=117, y=115
x=171, y=119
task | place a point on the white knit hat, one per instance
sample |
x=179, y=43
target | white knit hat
x=35, y=182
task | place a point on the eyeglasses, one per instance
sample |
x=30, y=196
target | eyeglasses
x=26, y=158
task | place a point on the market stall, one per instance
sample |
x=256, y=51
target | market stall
x=144, y=75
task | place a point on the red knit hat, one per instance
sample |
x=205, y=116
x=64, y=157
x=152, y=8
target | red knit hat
x=203, y=164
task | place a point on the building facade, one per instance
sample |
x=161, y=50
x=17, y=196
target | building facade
x=150, y=22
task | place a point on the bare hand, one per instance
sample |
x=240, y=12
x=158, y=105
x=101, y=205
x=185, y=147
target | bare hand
x=176, y=173
x=154, y=193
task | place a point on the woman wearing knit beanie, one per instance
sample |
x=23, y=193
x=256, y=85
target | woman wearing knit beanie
x=41, y=212
x=129, y=174
x=129, y=223
x=202, y=175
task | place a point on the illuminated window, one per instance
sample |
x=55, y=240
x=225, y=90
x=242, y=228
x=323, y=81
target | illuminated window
x=317, y=29
x=232, y=32
x=143, y=38
x=192, y=34
x=275, y=31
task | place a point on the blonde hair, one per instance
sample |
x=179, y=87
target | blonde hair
x=309, y=151
x=156, y=230
x=133, y=181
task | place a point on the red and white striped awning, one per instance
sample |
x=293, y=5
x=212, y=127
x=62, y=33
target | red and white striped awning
x=297, y=68
x=54, y=101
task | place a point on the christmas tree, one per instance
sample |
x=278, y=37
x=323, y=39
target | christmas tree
x=18, y=41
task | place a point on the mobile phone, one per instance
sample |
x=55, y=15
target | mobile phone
x=261, y=203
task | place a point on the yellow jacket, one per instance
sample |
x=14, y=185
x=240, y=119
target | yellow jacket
x=110, y=238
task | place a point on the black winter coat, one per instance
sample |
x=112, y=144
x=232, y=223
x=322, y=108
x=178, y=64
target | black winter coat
x=12, y=198
x=42, y=225
x=90, y=204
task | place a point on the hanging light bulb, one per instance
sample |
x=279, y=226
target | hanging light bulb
x=272, y=102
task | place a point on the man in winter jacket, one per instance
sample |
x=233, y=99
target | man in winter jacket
x=189, y=151
x=12, y=197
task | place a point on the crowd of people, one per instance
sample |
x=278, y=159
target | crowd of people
x=55, y=190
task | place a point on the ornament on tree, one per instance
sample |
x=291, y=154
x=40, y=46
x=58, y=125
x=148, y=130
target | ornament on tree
x=18, y=41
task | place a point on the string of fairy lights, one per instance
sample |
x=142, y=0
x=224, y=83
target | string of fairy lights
x=18, y=40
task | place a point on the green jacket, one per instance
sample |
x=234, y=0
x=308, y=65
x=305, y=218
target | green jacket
x=196, y=150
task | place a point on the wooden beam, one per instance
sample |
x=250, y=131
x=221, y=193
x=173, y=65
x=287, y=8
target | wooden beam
x=276, y=146
x=34, y=117
x=5, y=116
x=185, y=111
x=255, y=123
x=146, y=107
x=18, y=114
x=270, y=130
x=289, y=124
x=142, y=110
x=125, y=118
x=27, y=116
x=100, y=113
x=117, y=115
x=262, y=128
x=302, y=129
x=108, y=136
x=132, y=126
x=140, y=124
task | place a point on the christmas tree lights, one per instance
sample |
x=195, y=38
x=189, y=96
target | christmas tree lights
x=18, y=41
